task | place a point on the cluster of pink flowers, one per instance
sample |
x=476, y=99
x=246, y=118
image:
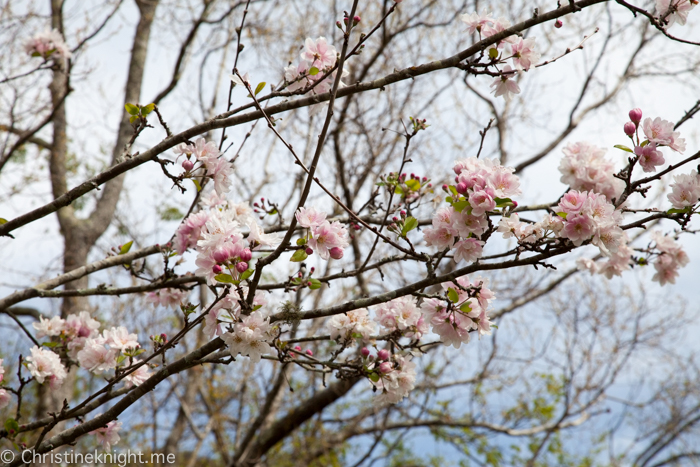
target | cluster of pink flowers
x=465, y=310
x=527, y=232
x=227, y=311
x=210, y=158
x=344, y=326
x=658, y=133
x=674, y=10
x=522, y=51
x=250, y=336
x=670, y=259
x=48, y=44
x=328, y=239
x=4, y=395
x=685, y=191
x=43, y=364
x=99, y=354
x=585, y=168
x=168, y=298
x=108, y=435
x=73, y=331
x=481, y=187
x=397, y=378
x=319, y=55
x=403, y=315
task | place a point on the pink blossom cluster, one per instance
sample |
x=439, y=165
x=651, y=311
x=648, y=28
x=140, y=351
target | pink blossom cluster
x=167, y=297
x=250, y=336
x=4, y=394
x=73, y=331
x=99, y=354
x=43, y=364
x=108, y=435
x=216, y=166
x=671, y=258
x=685, y=190
x=227, y=311
x=342, y=327
x=397, y=378
x=465, y=311
x=317, y=59
x=658, y=133
x=402, y=314
x=481, y=186
x=585, y=168
x=672, y=11
x=328, y=239
x=527, y=232
x=48, y=44
x=590, y=216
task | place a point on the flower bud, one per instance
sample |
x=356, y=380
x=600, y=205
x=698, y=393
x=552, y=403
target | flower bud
x=461, y=187
x=187, y=165
x=630, y=128
x=336, y=252
x=220, y=255
x=217, y=269
x=246, y=254
x=403, y=213
x=297, y=348
x=385, y=367
x=445, y=188
x=558, y=24
x=309, y=353
x=242, y=267
x=309, y=251
x=383, y=354
x=365, y=352
x=356, y=19
x=636, y=115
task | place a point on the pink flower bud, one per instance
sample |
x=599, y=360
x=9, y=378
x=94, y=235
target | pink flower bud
x=336, y=252
x=220, y=255
x=461, y=187
x=630, y=128
x=242, y=267
x=246, y=254
x=356, y=19
x=297, y=348
x=187, y=165
x=217, y=269
x=164, y=337
x=309, y=353
x=365, y=352
x=445, y=188
x=383, y=354
x=403, y=213
x=558, y=24
x=385, y=367
x=309, y=251
x=636, y=115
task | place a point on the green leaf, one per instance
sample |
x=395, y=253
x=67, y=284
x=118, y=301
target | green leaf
x=313, y=71
x=465, y=307
x=398, y=190
x=301, y=241
x=125, y=247
x=120, y=359
x=413, y=184
x=299, y=255
x=132, y=109
x=644, y=143
x=225, y=278
x=315, y=284
x=501, y=202
x=146, y=109
x=493, y=53
x=260, y=87
x=247, y=274
x=454, y=191
x=196, y=183
x=562, y=214
x=374, y=377
x=623, y=147
x=133, y=119
x=679, y=211
x=449, y=199
x=3, y=221
x=460, y=205
x=452, y=295
x=11, y=425
x=51, y=344
x=409, y=224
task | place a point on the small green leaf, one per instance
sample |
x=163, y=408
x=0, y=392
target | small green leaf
x=465, y=307
x=225, y=278
x=120, y=359
x=374, y=377
x=409, y=224
x=133, y=119
x=493, y=53
x=313, y=71
x=315, y=284
x=413, y=184
x=449, y=199
x=398, y=190
x=196, y=183
x=454, y=191
x=3, y=221
x=146, y=109
x=623, y=147
x=132, y=109
x=679, y=211
x=51, y=344
x=125, y=247
x=459, y=206
x=452, y=295
x=299, y=255
x=11, y=425
x=644, y=143
x=260, y=87
x=301, y=241
x=247, y=274
x=502, y=202
x=562, y=214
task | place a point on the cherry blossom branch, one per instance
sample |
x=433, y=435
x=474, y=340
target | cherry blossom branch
x=656, y=23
